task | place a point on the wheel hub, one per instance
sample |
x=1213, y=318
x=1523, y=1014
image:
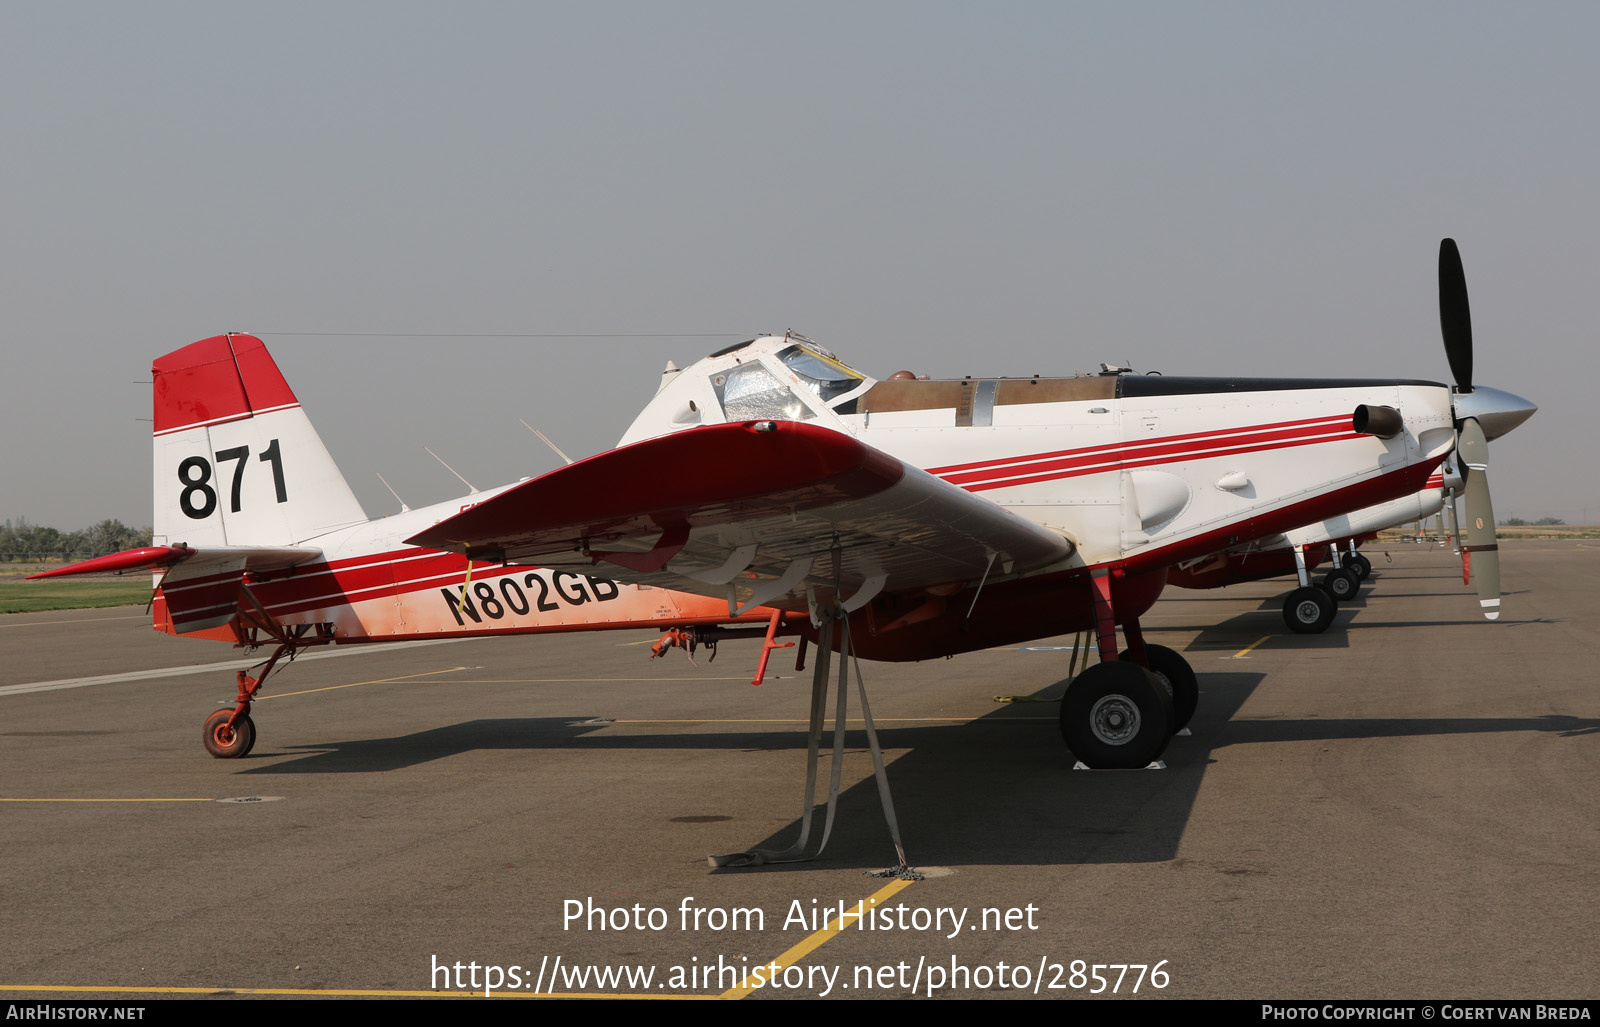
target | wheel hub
x=1308, y=612
x=1114, y=719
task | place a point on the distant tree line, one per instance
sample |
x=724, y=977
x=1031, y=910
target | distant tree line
x=31, y=542
x=1518, y=522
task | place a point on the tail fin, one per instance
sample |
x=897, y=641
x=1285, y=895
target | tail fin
x=237, y=462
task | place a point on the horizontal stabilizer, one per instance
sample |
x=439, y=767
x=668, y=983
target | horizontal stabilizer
x=207, y=560
x=146, y=558
x=204, y=591
x=202, y=587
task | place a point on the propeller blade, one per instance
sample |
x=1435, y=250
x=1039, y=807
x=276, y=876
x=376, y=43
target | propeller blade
x=1455, y=319
x=1473, y=450
x=1455, y=537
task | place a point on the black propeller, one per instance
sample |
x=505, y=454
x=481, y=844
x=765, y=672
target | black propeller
x=1472, y=449
x=1455, y=317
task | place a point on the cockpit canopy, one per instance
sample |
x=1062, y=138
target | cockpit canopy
x=821, y=371
x=785, y=377
x=749, y=391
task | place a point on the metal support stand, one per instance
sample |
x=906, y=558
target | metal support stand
x=833, y=618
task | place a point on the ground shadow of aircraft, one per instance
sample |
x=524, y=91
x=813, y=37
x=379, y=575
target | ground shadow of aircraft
x=969, y=798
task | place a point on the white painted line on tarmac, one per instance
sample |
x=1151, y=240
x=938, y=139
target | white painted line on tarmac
x=75, y=620
x=208, y=668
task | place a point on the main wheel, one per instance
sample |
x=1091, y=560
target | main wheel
x=229, y=743
x=1361, y=565
x=1309, y=610
x=1117, y=716
x=1342, y=584
x=1172, y=668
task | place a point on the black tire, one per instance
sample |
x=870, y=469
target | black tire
x=227, y=743
x=1172, y=668
x=1309, y=610
x=1361, y=565
x=1117, y=716
x=1342, y=584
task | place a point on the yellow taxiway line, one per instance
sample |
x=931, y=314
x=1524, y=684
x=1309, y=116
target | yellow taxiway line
x=1244, y=653
x=793, y=955
x=816, y=940
x=331, y=992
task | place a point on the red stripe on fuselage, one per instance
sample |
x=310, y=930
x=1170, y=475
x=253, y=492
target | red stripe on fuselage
x=1074, y=463
x=1165, y=458
x=1135, y=444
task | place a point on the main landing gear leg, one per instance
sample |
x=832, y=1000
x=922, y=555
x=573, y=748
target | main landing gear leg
x=1309, y=609
x=1358, y=563
x=1342, y=582
x=231, y=734
x=1119, y=714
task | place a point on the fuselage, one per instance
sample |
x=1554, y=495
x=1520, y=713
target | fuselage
x=1139, y=471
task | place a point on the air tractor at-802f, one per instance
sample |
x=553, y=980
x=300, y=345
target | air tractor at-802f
x=770, y=489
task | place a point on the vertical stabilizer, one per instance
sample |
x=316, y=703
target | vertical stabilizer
x=237, y=462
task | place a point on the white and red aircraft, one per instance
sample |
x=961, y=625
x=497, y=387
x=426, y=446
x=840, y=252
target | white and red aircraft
x=772, y=483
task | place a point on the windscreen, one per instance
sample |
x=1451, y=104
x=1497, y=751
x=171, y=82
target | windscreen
x=825, y=374
x=749, y=393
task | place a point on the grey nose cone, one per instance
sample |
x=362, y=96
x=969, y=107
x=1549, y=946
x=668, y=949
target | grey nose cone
x=1496, y=410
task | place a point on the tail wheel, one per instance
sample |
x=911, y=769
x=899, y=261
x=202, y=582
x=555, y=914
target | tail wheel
x=1309, y=610
x=1117, y=716
x=229, y=743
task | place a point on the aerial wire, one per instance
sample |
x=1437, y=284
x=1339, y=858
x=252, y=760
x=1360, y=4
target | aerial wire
x=516, y=335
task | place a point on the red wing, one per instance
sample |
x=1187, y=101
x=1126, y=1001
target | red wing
x=754, y=511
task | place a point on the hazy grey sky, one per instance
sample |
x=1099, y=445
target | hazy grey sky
x=956, y=188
